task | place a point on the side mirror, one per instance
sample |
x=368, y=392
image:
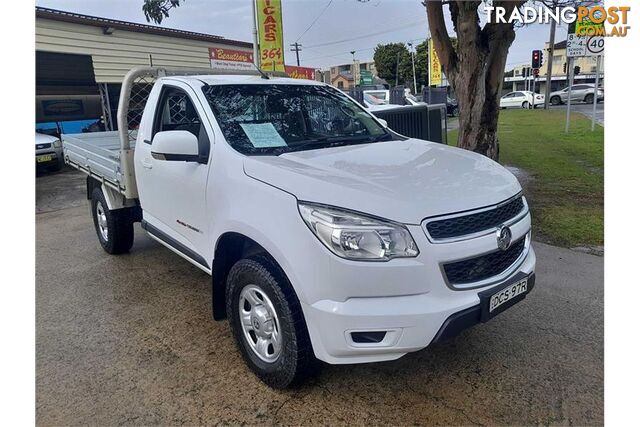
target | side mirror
x=384, y=123
x=175, y=145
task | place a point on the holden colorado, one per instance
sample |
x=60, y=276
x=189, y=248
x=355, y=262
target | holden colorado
x=327, y=235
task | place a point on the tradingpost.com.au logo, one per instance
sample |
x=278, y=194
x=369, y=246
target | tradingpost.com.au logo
x=591, y=20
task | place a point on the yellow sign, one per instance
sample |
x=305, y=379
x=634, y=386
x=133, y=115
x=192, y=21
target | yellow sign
x=435, y=69
x=270, y=36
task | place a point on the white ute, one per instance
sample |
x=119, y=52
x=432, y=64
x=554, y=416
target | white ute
x=328, y=235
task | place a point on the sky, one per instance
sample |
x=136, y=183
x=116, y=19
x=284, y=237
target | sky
x=327, y=29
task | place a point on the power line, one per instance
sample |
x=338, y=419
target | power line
x=336, y=54
x=364, y=36
x=314, y=21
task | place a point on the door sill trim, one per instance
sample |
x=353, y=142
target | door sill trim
x=172, y=243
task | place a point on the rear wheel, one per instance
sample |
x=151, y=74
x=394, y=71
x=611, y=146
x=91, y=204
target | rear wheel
x=525, y=105
x=267, y=322
x=113, y=227
x=555, y=100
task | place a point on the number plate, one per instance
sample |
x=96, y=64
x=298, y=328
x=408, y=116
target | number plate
x=495, y=301
x=507, y=294
x=45, y=158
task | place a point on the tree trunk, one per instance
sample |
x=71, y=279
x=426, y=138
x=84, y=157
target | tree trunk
x=475, y=69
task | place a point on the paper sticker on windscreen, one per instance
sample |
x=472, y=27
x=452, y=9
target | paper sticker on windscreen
x=263, y=135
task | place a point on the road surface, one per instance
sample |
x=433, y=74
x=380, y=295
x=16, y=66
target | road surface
x=130, y=340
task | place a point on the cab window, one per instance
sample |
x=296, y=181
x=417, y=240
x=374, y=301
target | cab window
x=176, y=111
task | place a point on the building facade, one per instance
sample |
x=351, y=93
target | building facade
x=347, y=76
x=81, y=60
x=515, y=79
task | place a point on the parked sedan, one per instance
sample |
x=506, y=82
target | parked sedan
x=48, y=152
x=452, y=107
x=579, y=93
x=521, y=99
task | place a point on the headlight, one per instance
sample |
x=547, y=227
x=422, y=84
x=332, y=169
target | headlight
x=57, y=143
x=356, y=236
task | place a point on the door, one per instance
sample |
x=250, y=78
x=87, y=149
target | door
x=173, y=192
x=507, y=100
x=518, y=99
x=579, y=92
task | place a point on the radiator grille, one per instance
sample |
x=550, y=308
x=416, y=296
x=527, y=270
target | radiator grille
x=484, y=266
x=473, y=223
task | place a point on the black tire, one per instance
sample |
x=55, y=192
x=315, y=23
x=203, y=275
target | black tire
x=589, y=98
x=119, y=230
x=55, y=168
x=296, y=360
x=555, y=100
x=525, y=105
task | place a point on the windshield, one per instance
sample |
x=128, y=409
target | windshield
x=372, y=100
x=271, y=119
x=379, y=94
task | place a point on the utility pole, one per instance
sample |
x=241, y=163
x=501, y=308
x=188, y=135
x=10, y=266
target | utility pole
x=413, y=64
x=256, y=49
x=296, y=47
x=547, y=85
x=595, y=94
x=353, y=67
x=397, y=67
x=571, y=71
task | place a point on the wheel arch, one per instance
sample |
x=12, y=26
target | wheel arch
x=229, y=249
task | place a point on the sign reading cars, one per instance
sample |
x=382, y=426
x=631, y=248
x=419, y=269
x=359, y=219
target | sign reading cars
x=270, y=37
x=435, y=68
x=230, y=59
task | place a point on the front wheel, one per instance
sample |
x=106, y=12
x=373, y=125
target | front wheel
x=267, y=322
x=114, y=228
x=555, y=100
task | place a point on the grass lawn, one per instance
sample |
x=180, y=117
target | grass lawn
x=566, y=186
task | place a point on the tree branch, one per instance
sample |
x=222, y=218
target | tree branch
x=440, y=36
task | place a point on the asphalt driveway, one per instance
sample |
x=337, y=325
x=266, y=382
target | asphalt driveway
x=130, y=340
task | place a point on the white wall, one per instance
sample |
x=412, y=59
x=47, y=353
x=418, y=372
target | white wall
x=113, y=55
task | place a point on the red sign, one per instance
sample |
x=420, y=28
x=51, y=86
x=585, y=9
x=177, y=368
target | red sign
x=230, y=59
x=300, y=72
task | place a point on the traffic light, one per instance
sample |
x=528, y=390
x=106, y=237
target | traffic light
x=576, y=70
x=536, y=59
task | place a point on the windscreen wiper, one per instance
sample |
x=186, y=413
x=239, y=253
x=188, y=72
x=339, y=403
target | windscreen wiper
x=335, y=141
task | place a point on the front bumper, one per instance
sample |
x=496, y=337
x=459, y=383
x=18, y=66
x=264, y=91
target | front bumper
x=411, y=322
x=48, y=158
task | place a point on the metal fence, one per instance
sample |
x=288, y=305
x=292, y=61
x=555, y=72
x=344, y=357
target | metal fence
x=428, y=122
x=434, y=95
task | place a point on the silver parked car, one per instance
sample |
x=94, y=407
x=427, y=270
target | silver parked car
x=579, y=93
x=49, y=152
